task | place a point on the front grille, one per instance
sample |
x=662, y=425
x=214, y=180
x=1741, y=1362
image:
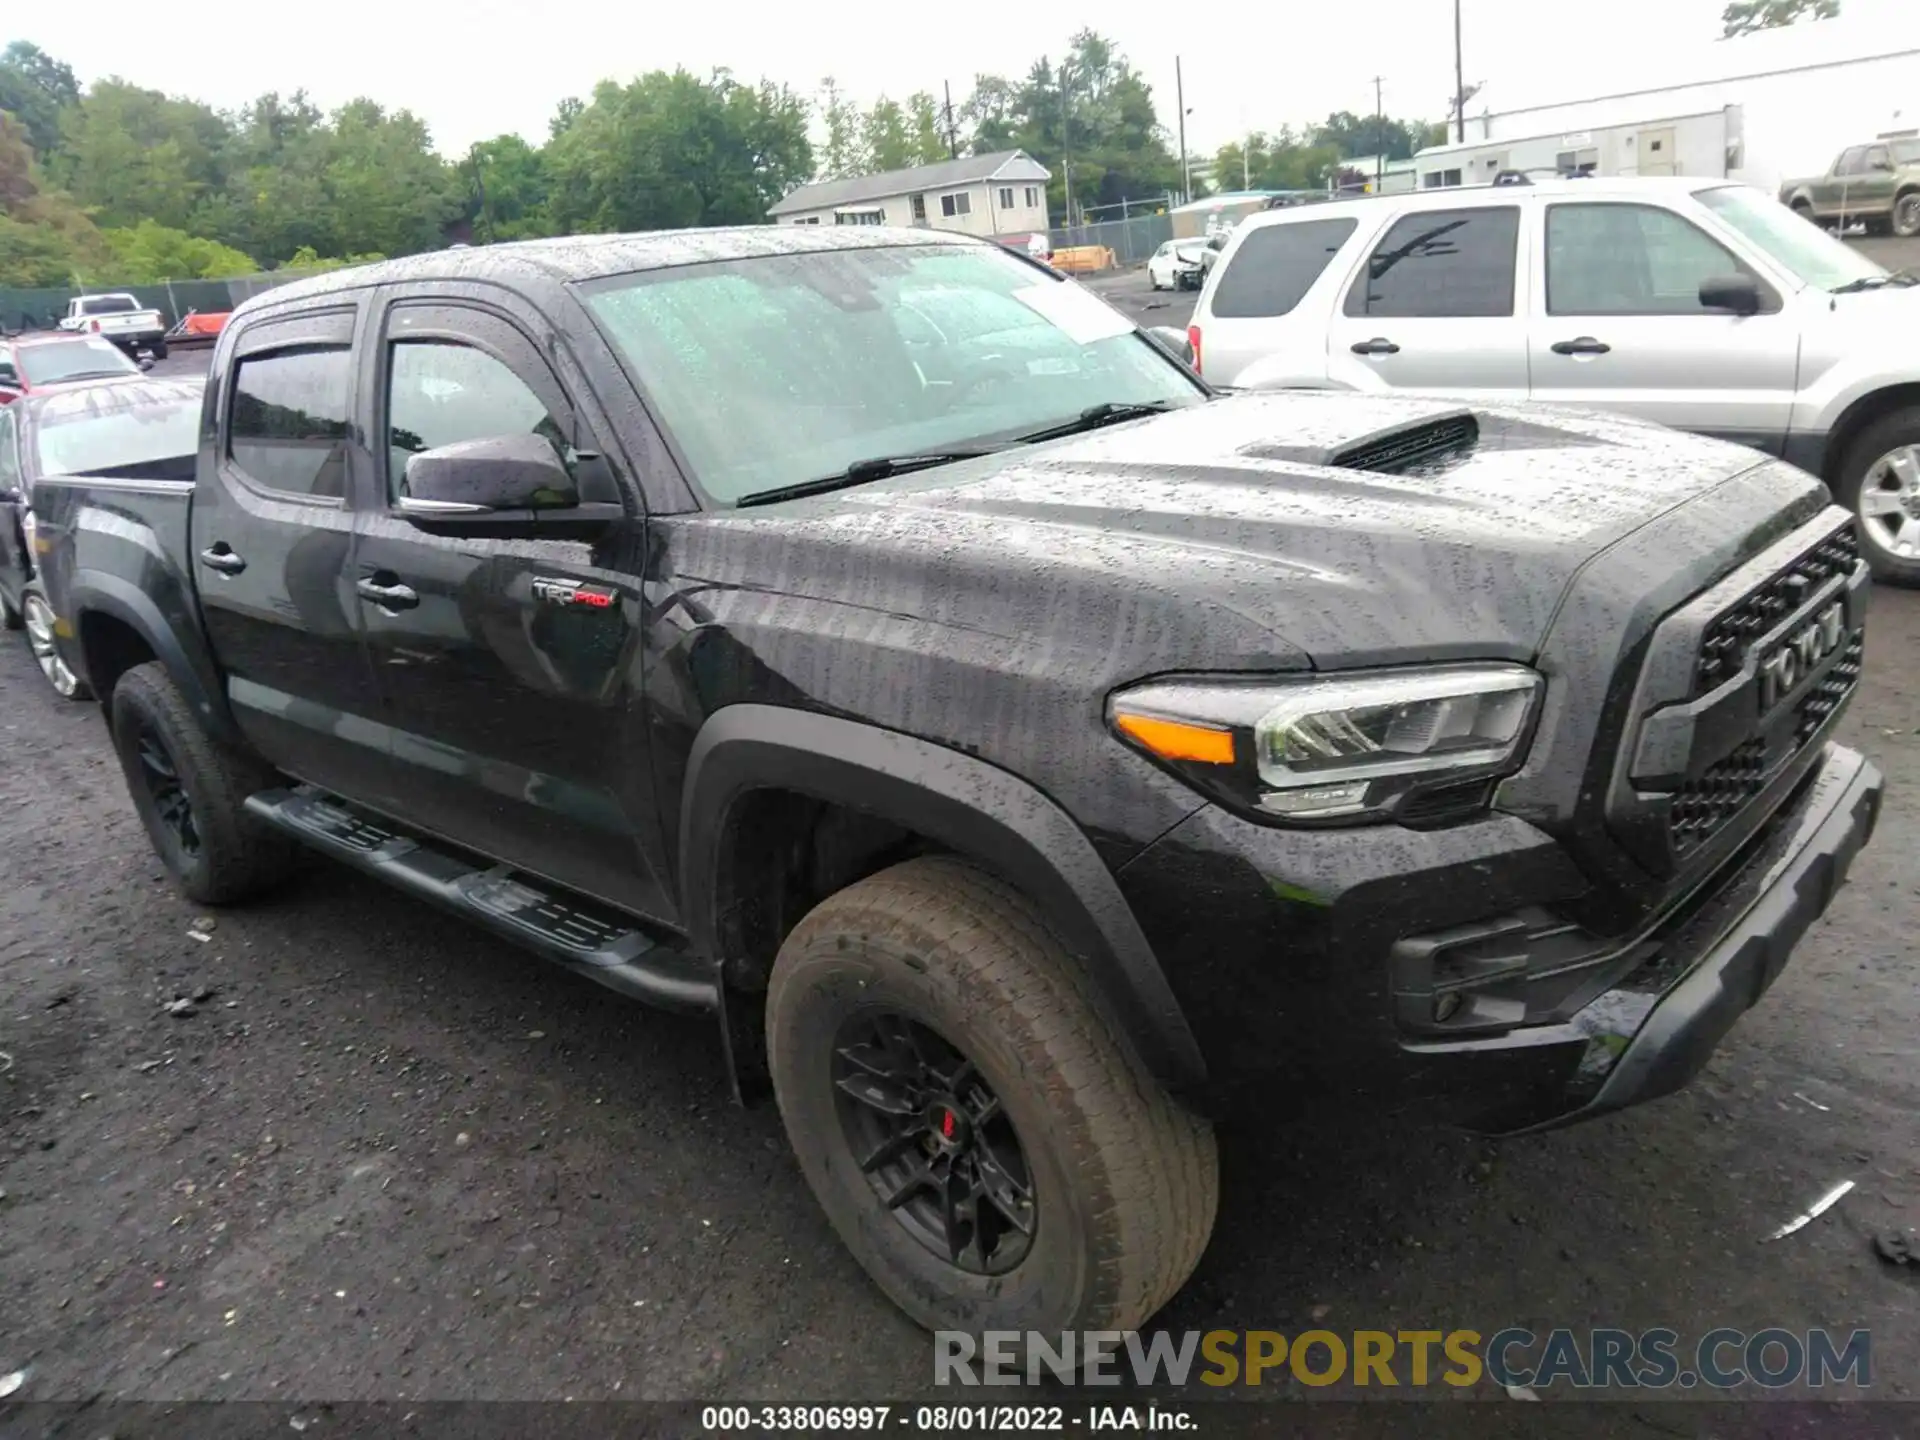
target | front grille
x=1702, y=806
x=1724, y=648
x=1402, y=450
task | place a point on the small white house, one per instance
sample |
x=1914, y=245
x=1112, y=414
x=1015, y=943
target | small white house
x=1001, y=194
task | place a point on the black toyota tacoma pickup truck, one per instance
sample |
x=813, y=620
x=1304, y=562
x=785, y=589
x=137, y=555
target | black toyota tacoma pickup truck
x=874, y=641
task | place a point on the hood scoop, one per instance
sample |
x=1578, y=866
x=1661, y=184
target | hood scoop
x=1411, y=447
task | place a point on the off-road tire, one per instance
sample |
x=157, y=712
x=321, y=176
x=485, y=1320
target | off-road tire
x=237, y=855
x=1904, y=221
x=1889, y=432
x=159, y=351
x=1126, y=1180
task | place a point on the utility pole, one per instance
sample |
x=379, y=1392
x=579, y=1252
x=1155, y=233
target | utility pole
x=1459, y=83
x=953, y=142
x=1066, y=148
x=1379, y=141
x=1246, y=163
x=1180, y=99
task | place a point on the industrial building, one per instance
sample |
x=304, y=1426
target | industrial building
x=1759, y=108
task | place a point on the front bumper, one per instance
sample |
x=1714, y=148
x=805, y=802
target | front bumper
x=1311, y=976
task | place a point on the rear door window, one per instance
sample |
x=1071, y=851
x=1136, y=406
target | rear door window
x=288, y=426
x=1442, y=263
x=1275, y=266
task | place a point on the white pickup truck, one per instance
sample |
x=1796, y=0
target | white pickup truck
x=119, y=318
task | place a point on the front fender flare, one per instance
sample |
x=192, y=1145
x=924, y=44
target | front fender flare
x=965, y=803
x=95, y=592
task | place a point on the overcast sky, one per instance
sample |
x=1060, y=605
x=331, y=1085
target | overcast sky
x=481, y=67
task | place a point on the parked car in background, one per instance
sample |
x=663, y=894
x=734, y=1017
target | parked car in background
x=1177, y=265
x=32, y=363
x=1700, y=304
x=1018, y=749
x=121, y=318
x=1875, y=185
x=128, y=430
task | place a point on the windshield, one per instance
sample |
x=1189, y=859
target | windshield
x=1802, y=248
x=784, y=369
x=87, y=442
x=48, y=362
x=1905, y=152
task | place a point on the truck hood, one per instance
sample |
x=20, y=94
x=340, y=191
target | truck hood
x=1210, y=537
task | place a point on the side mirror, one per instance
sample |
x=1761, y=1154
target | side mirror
x=1174, y=342
x=507, y=486
x=1738, y=293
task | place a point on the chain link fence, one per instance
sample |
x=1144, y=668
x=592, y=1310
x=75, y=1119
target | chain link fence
x=42, y=309
x=1132, y=241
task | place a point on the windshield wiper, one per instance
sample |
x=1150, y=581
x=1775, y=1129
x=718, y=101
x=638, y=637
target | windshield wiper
x=1094, y=416
x=1902, y=278
x=861, y=471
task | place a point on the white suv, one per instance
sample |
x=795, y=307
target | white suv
x=1704, y=305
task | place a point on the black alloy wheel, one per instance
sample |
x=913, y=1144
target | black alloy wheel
x=161, y=775
x=934, y=1142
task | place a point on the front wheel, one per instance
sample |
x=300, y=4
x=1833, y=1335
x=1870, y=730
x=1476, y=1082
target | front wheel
x=191, y=793
x=158, y=350
x=38, y=616
x=988, y=1150
x=1880, y=482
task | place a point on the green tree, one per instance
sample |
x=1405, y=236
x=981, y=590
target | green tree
x=844, y=152
x=386, y=188
x=886, y=138
x=36, y=89
x=44, y=238
x=510, y=190
x=672, y=149
x=927, y=127
x=1355, y=135
x=128, y=154
x=149, y=252
x=1091, y=112
x=275, y=198
x=1743, y=17
x=1282, y=160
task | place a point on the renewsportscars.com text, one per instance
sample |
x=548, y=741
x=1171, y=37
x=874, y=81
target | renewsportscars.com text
x=1599, y=1358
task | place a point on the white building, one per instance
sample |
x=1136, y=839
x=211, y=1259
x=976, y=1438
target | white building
x=1759, y=108
x=999, y=195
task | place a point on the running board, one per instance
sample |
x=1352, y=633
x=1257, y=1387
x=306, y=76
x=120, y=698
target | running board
x=589, y=939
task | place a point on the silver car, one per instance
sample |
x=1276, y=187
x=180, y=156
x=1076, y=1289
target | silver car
x=1700, y=304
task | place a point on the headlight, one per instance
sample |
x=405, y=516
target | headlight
x=1343, y=749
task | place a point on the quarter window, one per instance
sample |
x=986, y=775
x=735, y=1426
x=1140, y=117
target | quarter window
x=440, y=392
x=1453, y=263
x=1629, y=260
x=1275, y=266
x=288, y=430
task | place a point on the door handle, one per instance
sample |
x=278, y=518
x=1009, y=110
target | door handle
x=1584, y=345
x=220, y=557
x=387, y=597
x=1379, y=345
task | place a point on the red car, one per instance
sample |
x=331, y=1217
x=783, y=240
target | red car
x=31, y=363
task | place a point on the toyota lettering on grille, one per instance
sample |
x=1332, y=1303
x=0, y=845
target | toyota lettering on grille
x=1793, y=661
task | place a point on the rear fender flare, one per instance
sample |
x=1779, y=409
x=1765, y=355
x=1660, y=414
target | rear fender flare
x=966, y=804
x=95, y=592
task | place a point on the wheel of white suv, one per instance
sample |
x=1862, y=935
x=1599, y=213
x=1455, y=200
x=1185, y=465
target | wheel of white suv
x=1880, y=482
x=37, y=615
x=981, y=1142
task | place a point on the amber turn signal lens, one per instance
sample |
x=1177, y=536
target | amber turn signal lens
x=1175, y=740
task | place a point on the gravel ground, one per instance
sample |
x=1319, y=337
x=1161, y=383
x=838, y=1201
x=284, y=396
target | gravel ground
x=387, y=1157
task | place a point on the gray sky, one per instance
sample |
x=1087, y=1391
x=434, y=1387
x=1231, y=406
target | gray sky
x=480, y=67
